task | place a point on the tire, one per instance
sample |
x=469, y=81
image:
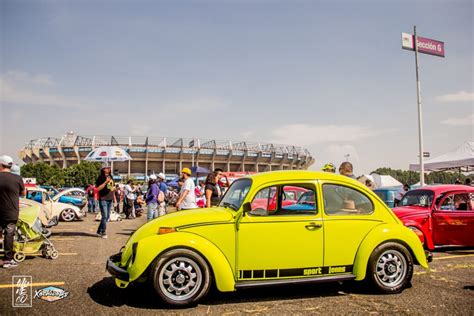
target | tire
x=54, y=254
x=19, y=256
x=390, y=268
x=180, y=277
x=68, y=215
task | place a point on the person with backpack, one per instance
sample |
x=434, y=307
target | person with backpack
x=163, y=193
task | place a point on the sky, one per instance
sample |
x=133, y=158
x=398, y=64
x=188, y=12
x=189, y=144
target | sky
x=330, y=76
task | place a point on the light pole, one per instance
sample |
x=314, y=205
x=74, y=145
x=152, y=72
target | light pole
x=420, y=119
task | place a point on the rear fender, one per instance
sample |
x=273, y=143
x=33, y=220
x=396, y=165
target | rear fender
x=385, y=233
x=151, y=247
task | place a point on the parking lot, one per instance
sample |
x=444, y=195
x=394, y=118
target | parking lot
x=80, y=269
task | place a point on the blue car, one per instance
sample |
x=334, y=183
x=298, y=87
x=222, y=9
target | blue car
x=73, y=196
x=388, y=195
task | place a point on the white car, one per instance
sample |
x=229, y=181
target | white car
x=65, y=212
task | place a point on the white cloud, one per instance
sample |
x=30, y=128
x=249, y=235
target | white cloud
x=307, y=135
x=460, y=121
x=461, y=96
x=15, y=90
x=21, y=76
x=198, y=104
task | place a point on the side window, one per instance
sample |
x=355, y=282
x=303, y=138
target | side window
x=264, y=201
x=448, y=203
x=285, y=200
x=342, y=200
x=303, y=202
x=457, y=202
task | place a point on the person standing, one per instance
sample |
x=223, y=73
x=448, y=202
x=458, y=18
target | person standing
x=152, y=198
x=211, y=191
x=400, y=194
x=105, y=187
x=163, y=188
x=91, y=198
x=329, y=167
x=187, y=197
x=129, y=197
x=221, y=185
x=346, y=169
x=11, y=188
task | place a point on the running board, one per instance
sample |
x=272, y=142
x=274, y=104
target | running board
x=263, y=283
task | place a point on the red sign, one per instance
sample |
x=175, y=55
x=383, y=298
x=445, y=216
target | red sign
x=425, y=45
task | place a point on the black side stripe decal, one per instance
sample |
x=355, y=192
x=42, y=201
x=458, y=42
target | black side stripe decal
x=297, y=272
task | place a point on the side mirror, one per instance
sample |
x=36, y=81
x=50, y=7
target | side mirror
x=247, y=207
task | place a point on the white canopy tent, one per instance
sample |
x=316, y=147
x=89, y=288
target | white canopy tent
x=461, y=158
x=380, y=181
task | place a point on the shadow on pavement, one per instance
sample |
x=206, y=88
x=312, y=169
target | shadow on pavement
x=63, y=234
x=105, y=293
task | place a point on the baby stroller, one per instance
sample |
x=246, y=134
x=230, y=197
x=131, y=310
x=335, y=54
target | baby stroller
x=30, y=238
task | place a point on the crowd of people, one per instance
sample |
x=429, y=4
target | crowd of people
x=106, y=197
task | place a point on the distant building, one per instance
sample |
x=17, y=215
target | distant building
x=169, y=155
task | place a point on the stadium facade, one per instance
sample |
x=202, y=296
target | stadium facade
x=169, y=155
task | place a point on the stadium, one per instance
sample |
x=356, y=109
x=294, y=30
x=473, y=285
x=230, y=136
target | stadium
x=169, y=155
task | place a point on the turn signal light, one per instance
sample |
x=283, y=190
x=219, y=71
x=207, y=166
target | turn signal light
x=166, y=230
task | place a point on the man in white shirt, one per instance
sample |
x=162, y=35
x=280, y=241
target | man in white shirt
x=129, y=200
x=187, y=197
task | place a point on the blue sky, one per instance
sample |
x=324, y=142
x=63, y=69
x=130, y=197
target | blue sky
x=328, y=75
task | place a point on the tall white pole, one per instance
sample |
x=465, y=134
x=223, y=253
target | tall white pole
x=420, y=119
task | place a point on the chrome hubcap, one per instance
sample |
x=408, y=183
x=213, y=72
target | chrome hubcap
x=180, y=278
x=391, y=268
x=68, y=214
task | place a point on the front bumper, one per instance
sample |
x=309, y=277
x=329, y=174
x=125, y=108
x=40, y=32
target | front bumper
x=116, y=271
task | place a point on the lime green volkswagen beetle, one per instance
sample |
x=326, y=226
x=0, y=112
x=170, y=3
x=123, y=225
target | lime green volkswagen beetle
x=336, y=230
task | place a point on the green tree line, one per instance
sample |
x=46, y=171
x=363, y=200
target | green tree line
x=412, y=177
x=78, y=175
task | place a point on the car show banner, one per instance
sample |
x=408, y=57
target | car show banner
x=425, y=45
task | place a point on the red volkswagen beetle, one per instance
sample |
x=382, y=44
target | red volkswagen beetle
x=441, y=215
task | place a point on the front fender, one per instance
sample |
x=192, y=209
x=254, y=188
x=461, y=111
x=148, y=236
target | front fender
x=384, y=233
x=152, y=246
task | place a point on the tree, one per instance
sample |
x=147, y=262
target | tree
x=78, y=175
x=412, y=177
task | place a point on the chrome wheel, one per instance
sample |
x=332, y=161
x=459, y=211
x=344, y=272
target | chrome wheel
x=180, y=278
x=391, y=268
x=68, y=215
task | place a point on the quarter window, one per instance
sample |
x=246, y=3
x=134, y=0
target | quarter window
x=342, y=200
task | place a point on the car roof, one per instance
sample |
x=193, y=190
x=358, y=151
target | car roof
x=298, y=175
x=36, y=189
x=446, y=187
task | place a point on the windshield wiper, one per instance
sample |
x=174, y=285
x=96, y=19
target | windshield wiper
x=232, y=206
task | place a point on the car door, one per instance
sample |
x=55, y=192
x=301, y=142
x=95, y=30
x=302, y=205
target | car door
x=453, y=220
x=277, y=242
x=348, y=218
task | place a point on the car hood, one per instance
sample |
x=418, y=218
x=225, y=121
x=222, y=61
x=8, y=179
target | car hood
x=181, y=220
x=410, y=211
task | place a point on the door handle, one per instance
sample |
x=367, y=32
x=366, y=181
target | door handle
x=313, y=225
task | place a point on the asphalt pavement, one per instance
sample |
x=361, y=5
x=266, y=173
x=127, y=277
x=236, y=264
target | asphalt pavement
x=447, y=289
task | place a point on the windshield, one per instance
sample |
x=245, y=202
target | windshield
x=236, y=194
x=422, y=198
